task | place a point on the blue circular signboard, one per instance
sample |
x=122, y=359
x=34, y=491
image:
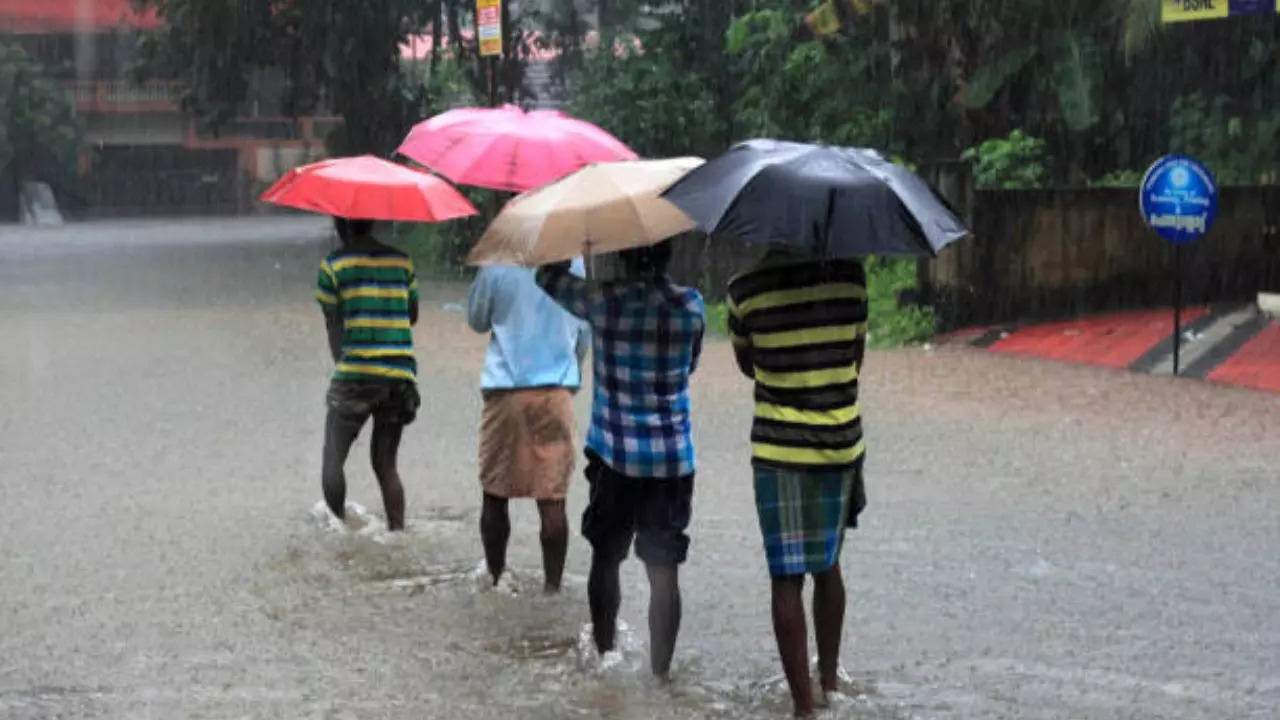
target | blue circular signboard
x=1179, y=199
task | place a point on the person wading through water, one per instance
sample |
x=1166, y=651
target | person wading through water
x=532, y=369
x=646, y=334
x=369, y=295
x=799, y=330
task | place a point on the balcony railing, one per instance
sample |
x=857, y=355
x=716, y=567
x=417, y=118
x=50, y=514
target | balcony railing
x=303, y=130
x=124, y=96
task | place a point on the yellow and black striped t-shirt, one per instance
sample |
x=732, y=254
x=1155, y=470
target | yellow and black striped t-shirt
x=374, y=288
x=805, y=326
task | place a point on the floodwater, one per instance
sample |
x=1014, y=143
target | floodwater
x=1042, y=541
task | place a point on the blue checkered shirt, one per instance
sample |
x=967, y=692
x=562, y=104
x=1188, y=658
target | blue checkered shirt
x=646, y=340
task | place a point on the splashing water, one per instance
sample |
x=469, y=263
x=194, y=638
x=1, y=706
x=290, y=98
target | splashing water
x=357, y=521
x=628, y=655
x=509, y=584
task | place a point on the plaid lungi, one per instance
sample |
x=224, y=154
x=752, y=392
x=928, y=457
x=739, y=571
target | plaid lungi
x=803, y=516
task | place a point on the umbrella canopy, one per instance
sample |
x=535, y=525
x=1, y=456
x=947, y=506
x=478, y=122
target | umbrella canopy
x=507, y=148
x=601, y=208
x=830, y=201
x=369, y=188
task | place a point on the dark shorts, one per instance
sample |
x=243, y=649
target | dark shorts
x=655, y=512
x=393, y=402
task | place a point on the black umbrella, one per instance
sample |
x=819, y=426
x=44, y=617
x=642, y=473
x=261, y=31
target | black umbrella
x=830, y=201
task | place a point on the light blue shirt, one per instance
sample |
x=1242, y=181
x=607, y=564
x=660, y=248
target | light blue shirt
x=533, y=342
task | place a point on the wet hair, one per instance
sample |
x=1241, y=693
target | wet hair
x=351, y=228
x=647, y=262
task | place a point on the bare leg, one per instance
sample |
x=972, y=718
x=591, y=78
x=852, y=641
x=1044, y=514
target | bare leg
x=495, y=531
x=664, y=617
x=828, y=623
x=340, y=433
x=555, y=542
x=384, y=448
x=793, y=642
x=604, y=594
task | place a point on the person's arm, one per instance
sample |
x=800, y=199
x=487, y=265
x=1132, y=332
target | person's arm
x=415, y=296
x=333, y=327
x=480, y=302
x=741, y=339
x=700, y=316
x=570, y=292
x=330, y=302
x=583, y=345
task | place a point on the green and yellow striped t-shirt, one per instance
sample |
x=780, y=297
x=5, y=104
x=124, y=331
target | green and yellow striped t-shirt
x=373, y=287
x=805, y=326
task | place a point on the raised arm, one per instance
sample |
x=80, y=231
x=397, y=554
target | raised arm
x=570, y=292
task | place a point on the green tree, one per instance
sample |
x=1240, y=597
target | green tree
x=1015, y=162
x=39, y=130
x=802, y=88
x=343, y=55
x=655, y=91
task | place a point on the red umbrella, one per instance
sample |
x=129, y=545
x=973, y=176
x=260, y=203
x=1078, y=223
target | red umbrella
x=369, y=188
x=508, y=148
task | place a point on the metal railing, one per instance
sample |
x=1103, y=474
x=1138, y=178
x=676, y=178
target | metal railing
x=109, y=93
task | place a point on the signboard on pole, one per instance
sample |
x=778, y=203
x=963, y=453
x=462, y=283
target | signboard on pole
x=1179, y=199
x=1173, y=11
x=489, y=27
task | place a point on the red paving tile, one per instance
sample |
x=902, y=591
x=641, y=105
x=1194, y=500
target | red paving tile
x=1113, y=341
x=1256, y=365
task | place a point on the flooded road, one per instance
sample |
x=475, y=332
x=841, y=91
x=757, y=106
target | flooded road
x=1042, y=541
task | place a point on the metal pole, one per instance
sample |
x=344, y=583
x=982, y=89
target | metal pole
x=493, y=81
x=1177, y=305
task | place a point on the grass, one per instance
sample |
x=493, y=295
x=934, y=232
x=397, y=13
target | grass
x=890, y=325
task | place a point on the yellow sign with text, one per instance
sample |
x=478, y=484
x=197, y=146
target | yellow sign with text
x=1172, y=11
x=489, y=27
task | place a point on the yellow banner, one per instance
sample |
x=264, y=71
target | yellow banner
x=1172, y=11
x=489, y=27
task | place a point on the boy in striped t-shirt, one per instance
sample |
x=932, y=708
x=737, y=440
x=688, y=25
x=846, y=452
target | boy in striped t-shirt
x=369, y=295
x=799, y=329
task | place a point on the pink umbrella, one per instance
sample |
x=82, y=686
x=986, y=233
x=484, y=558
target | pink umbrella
x=369, y=188
x=509, y=149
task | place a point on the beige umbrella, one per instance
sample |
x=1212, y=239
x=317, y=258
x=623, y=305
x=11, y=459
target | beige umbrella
x=601, y=208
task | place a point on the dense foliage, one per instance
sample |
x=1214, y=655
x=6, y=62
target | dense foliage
x=1099, y=87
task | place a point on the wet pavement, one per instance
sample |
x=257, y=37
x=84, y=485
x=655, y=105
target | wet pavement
x=1043, y=541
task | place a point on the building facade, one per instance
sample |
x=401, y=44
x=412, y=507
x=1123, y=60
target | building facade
x=143, y=154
